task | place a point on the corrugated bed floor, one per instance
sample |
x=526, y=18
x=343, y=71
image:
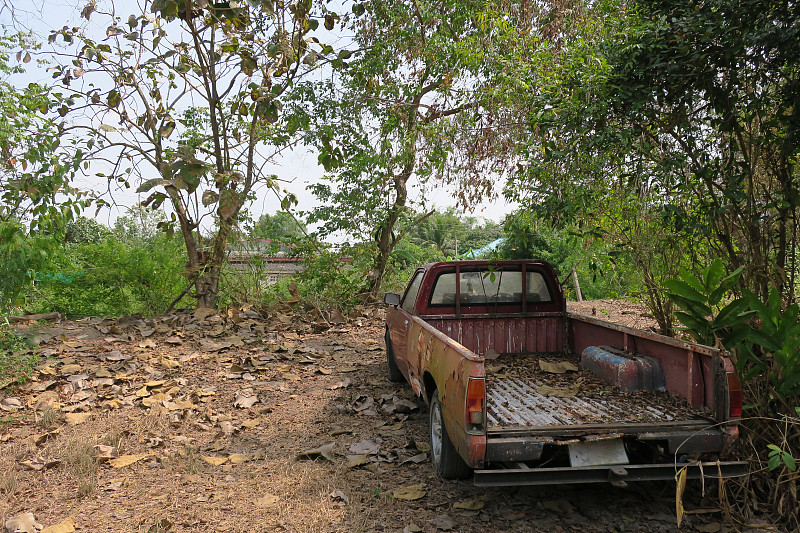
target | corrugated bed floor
x=523, y=396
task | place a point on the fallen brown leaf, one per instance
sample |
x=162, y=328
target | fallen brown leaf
x=268, y=500
x=127, y=460
x=66, y=526
x=237, y=458
x=410, y=492
x=557, y=368
x=471, y=504
x=354, y=461
x=326, y=451
x=73, y=419
x=213, y=460
x=23, y=523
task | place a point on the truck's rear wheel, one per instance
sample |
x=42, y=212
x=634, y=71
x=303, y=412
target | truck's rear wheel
x=393, y=371
x=444, y=456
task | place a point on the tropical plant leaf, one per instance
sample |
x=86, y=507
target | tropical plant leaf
x=685, y=291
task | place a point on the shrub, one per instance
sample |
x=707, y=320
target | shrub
x=764, y=341
x=113, y=278
x=336, y=280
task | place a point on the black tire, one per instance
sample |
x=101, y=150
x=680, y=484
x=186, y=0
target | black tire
x=393, y=371
x=444, y=456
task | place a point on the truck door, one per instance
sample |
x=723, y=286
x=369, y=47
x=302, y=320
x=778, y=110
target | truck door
x=400, y=322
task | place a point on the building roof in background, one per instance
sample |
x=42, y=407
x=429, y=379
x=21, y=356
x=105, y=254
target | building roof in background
x=483, y=250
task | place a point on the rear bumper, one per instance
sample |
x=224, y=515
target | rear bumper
x=607, y=474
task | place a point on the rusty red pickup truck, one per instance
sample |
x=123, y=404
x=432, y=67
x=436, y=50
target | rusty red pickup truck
x=521, y=392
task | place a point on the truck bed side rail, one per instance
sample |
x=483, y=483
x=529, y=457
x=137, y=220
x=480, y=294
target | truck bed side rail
x=691, y=371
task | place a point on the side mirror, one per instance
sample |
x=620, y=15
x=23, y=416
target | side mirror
x=391, y=298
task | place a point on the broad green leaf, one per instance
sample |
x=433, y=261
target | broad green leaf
x=684, y=290
x=693, y=281
x=768, y=343
x=733, y=314
x=713, y=275
x=700, y=328
x=699, y=310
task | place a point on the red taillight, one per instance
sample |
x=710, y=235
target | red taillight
x=476, y=396
x=734, y=396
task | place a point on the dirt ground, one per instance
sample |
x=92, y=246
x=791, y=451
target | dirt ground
x=201, y=422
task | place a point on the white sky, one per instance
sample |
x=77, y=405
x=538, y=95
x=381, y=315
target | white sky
x=299, y=167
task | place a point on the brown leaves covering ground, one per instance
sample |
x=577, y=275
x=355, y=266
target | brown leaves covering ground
x=216, y=416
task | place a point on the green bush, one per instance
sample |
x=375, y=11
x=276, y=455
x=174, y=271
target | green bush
x=330, y=281
x=17, y=363
x=406, y=258
x=336, y=280
x=112, y=278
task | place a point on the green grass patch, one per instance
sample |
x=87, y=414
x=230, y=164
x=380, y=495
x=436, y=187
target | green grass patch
x=17, y=360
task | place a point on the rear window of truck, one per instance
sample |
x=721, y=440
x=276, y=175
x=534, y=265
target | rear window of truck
x=484, y=287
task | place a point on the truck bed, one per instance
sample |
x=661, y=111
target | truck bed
x=521, y=395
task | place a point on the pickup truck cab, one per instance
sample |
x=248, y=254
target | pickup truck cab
x=523, y=393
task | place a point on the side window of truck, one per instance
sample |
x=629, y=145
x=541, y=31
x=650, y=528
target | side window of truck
x=411, y=293
x=537, y=289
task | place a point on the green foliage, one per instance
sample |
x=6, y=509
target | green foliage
x=21, y=255
x=700, y=298
x=478, y=233
x=330, y=280
x=336, y=280
x=448, y=233
x=441, y=231
x=36, y=169
x=778, y=456
x=280, y=227
x=764, y=336
x=112, y=278
x=402, y=104
x=776, y=344
x=138, y=225
x=84, y=230
x=17, y=363
x=602, y=272
x=678, y=114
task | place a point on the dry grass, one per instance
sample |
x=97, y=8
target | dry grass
x=49, y=418
x=80, y=462
x=9, y=482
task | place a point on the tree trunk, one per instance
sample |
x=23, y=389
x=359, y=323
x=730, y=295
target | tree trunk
x=207, y=283
x=384, y=237
x=578, y=293
x=385, y=244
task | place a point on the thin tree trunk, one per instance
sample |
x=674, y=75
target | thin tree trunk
x=578, y=293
